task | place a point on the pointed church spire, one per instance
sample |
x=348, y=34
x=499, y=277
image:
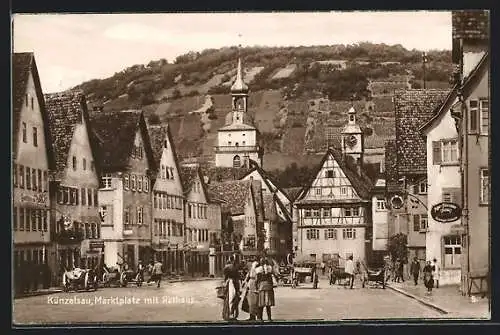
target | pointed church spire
x=239, y=85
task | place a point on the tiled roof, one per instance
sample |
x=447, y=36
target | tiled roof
x=269, y=207
x=188, y=177
x=232, y=195
x=414, y=108
x=361, y=182
x=65, y=110
x=115, y=132
x=22, y=64
x=391, y=167
x=329, y=201
x=220, y=174
x=470, y=24
x=292, y=192
x=157, y=134
x=257, y=195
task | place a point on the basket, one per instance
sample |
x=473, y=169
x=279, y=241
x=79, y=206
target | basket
x=221, y=292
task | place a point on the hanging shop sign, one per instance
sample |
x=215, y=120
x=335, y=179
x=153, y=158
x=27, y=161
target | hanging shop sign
x=396, y=202
x=446, y=212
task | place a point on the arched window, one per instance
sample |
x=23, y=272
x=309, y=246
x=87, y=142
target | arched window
x=236, y=161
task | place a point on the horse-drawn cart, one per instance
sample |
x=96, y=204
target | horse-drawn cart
x=302, y=272
x=79, y=279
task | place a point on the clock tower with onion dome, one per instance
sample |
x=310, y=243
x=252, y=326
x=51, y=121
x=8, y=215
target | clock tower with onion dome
x=352, y=138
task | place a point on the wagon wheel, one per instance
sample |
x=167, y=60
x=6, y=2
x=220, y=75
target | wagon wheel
x=123, y=279
x=66, y=283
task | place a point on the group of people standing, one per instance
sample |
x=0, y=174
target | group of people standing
x=255, y=291
x=430, y=273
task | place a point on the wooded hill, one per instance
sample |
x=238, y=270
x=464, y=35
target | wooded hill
x=296, y=93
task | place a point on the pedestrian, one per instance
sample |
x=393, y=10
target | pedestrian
x=323, y=268
x=401, y=271
x=437, y=270
x=396, y=271
x=428, y=280
x=157, y=272
x=265, y=286
x=140, y=273
x=232, y=290
x=415, y=269
x=349, y=270
x=251, y=291
x=331, y=274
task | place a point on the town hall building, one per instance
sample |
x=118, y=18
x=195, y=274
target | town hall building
x=332, y=215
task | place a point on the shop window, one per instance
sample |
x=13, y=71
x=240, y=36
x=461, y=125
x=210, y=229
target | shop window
x=452, y=250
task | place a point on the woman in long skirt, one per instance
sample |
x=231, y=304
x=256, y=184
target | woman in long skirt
x=232, y=287
x=428, y=279
x=266, y=290
x=252, y=294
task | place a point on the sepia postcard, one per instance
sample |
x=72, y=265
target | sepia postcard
x=250, y=168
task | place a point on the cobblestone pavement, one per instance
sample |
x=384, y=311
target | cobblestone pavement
x=450, y=299
x=197, y=301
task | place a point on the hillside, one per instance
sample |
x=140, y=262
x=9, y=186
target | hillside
x=298, y=98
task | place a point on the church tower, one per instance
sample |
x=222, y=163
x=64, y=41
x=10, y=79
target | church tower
x=238, y=139
x=352, y=139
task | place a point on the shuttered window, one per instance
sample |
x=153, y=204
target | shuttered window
x=436, y=152
x=473, y=116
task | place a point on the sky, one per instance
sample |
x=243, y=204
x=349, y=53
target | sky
x=73, y=48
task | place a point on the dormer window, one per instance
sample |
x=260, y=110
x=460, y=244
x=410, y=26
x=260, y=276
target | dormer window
x=351, y=118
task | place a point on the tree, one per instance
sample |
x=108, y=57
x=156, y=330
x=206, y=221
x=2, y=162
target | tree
x=398, y=247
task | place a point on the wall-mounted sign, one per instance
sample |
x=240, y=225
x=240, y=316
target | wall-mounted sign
x=40, y=198
x=96, y=244
x=446, y=212
x=396, y=202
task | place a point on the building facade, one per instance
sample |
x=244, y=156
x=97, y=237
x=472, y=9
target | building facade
x=74, y=183
x=239, y=208
x=472, y=55
x=237, y=141
x=128, y=165
x=168, y=202
x=379, y=217
x=407, y=168
x=443, y=175
x=32, y=160
x=332, y=217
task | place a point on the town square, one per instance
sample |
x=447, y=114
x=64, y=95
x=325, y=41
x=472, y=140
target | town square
x=333, y=179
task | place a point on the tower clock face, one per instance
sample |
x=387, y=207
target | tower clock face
x=352, y=141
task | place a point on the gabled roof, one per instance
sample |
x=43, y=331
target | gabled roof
x=188, y=177
x=22, y=65
x=157, y=134
x=232, y=195
x=391, y=168
x=266, y=178
x=361, y=182
x=115, y=133
x=292, y=192
x=258, y=200
x=481, y=65
x=414, y=108
x=65, y=110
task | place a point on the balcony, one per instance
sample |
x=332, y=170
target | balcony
x=68, y=236
x=234, y=148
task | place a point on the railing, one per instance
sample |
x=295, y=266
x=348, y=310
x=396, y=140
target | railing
x=234, y=148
